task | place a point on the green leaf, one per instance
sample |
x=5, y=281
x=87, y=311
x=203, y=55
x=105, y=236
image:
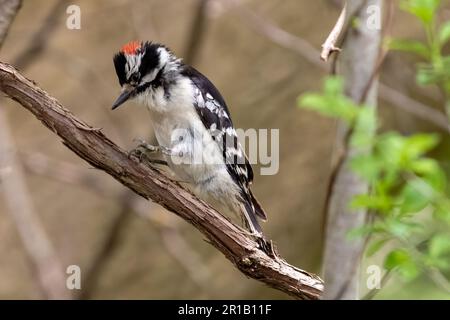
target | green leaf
x=332, y=102
x=425, y=75
x=419, y=144
x=313, y=101
x=437, y=180
x=367, y=166
x=425, y=166
x=439, y=245
x=410, y=46
x=444, y=33
x=425, y=10
x=401, y=228
x=412, y=198
x=376, y=202
x=396, y=258
x=334, y=86
x=401, y=260
x=442, y=212
x=365, y=128
x=390, y=146
x=375, y=246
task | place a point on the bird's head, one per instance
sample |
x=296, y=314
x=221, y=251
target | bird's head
x=140, y=66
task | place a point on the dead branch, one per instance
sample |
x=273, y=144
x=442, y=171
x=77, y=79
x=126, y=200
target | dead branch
x=329, y=46
x=94, y=147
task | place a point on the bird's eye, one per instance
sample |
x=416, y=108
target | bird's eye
x=134, y=78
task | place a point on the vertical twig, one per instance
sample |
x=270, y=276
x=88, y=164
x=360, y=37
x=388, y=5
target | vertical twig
x=329, y=46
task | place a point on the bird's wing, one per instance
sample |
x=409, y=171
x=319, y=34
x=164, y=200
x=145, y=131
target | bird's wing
x=214, y=114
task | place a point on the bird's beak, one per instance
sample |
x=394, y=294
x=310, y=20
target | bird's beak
x=125, y=94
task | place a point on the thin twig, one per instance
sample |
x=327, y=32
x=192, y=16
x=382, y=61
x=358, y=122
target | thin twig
x=329, y=46
x=95, y=148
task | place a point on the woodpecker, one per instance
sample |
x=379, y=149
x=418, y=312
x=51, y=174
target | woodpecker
x=192, y=125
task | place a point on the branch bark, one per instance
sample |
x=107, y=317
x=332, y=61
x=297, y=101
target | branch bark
x=94, y=147
x=360, y=54
x=329, y=46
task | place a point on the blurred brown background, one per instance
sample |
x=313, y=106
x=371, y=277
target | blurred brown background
x=128, y=248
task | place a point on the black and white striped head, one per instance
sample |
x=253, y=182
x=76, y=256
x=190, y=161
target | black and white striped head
x=141, y=66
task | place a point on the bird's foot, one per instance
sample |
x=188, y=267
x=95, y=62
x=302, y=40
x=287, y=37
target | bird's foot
x=267, y=246
x=142, y=152
x=146, y=147
x=263, y=243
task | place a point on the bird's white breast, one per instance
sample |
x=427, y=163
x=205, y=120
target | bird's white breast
x=178, y=127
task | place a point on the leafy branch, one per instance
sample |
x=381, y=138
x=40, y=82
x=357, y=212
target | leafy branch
x=408, y=189
x=435, y=66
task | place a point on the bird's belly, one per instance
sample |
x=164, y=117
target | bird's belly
x=195, y=156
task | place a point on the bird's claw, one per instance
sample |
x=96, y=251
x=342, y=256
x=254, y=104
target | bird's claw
x=142, y=150
x=267, y=246
x=136, y=153
x=142, y=144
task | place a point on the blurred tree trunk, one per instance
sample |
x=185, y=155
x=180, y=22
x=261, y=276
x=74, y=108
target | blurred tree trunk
x=9, y=9
x=48, y=268
x=357, y=64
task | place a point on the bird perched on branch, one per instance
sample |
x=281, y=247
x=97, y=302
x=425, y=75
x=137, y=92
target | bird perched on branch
x=192, y=125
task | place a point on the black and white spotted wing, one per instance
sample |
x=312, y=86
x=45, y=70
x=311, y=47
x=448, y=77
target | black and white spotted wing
x=213, y=112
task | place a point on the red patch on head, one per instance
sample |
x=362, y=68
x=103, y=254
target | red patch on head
x=131, y=47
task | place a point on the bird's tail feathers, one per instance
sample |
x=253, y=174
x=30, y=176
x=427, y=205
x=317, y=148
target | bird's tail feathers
x=250, y=218
x=259, y=211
